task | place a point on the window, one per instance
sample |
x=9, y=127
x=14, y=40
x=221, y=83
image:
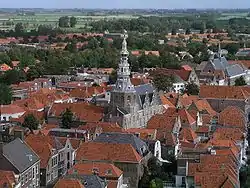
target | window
x=37, y=182
x=36, y=169
x=48, y=177
x=33, y=172
x=68, y=156
x=22, y=180
x=26, y=178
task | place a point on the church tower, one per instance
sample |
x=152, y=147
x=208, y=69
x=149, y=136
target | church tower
x=123, y=95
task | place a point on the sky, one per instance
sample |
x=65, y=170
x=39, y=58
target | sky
x=154, y=4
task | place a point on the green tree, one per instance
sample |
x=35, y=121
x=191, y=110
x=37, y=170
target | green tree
x=113, y=77
x=31, y=122
x=67, y=119
x=156, y=183
x=19, y=29
x=14, y=77
x=163, y=82
x=5, y=59
x=64, y=21
x=32, y=74
x=73, y=21
x=240, y=81
x=191, y=89
x=5, y=94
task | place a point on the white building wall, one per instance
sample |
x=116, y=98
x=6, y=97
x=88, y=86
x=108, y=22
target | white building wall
x=7, y=117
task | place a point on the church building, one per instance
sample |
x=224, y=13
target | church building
x=131, y=106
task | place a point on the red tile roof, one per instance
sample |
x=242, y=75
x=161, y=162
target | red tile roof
x=84, y=111
x=224, y=92
x=40, y=116
x=139, y=81
x=202, y=129
x=143, y=132
x=105, y=126
x=47, y=127
x=75, y=143
x=188, y=134
x=104, y=170
x=5, y=67
x=93, y=151
x=186, y=118
x=68, y=183
x=7, y=178
x=87, y=92
x=43, y=146
x=186, y=67
x=228, y=133
x=15, y=63
x=183, y=74
x=166, y=101
x=238, y=120
x=203, y=106
x=11, y=109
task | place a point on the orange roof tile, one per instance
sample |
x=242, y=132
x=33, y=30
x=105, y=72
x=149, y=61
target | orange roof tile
x=40, y=116
x=87, y=92
x=5, y=67
x=224, y=92
x=144, y=133
x=68, y=183
x=186, y=118
x=47, y=127
x=84, y=111
x=11, y=109
x=165, y=101
x=188, y=134
x=105, y=170
x=43, y=146
x=106, y=126
x=238, y=120
x=202, y=129
x=93, y=151
x=7, y=178
x=228, y=133
x=15, y=63
x=75, y=143
x=203, y=106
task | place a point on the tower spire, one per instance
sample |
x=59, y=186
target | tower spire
x=124, y=50
x=123, y=82
x=219, y=50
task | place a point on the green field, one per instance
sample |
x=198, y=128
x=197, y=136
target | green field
x=227, y=16
x=32, y=22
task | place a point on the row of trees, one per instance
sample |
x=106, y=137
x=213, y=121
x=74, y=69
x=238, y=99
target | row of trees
x=66, y=21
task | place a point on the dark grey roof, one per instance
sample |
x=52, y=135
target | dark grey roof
x=220, y=63
x=234, y=70
x=201, y=66
x=145, y=88
x=124, y=138
x=89, y=181
x=20, y=155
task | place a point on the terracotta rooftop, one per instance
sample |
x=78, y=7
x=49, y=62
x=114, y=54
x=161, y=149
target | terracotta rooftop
x=40, y=116
x=86, y=92
x=84, y=111
x=93, y=151
x=238, y=120
x=47, y=127
x=7, y=178
x=188, y=134
x=203, y=106
x=166, y=101
x=143, y=132
x=11, y=109
x=69, y=183
x=5, y=67
x=228, y=133
x=183, y=74
x=104, y=170
x=186, y=118
x=105, y=126
x=43, y=146
x=224, y=92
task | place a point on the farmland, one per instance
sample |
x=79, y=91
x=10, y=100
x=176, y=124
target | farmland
x=8, y=21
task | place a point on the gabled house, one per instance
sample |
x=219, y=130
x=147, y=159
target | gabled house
x=182, y=77
x=217, y=70
x=83, y=112
x=11, y=111
x=18, y=157
x=104, y=170
x=57, y=156
x=124, y=156
x=81, y=181
x=9, y=179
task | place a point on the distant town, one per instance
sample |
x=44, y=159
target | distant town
x=124, y=98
